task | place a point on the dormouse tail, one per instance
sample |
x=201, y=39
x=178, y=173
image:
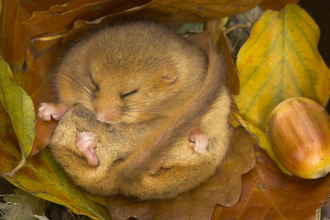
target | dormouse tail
x=156, y=148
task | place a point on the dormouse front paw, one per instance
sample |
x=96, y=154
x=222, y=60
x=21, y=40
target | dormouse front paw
x=199, y=137
x=47, y=111
x=86, y=142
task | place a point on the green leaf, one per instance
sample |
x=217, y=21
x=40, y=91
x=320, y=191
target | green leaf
x=19, y=106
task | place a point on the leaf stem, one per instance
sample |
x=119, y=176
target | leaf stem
x=14, y=171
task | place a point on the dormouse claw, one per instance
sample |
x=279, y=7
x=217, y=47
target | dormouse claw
x=47, y=111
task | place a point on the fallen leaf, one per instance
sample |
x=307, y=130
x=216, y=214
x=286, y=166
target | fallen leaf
x=280, y=60
x=60, y=18
x=223, y=188
x=268, y=193
x=42, y=177
x=40, y=87
x=19, y=106
x=275, y=5
x=15, y=36
x=21, y=205
x=175, y=12
x=233, y=81
x=15, y=40
x=30, y=80
x=260, y=136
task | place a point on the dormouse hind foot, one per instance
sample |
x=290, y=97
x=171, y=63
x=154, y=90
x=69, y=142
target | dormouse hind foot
x=86, y=142
x=198, y=136
x=47, y=111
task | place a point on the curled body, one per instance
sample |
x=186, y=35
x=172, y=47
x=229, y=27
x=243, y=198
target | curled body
x=142, y=91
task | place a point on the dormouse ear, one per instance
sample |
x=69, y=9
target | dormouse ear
x=169, y=73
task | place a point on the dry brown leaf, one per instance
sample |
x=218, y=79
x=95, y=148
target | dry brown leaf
x=268, y=193
x=15, y=36
x=275, y=5
x=223, y=188
x=175, y=12
x=60, y=18
x=37, y=67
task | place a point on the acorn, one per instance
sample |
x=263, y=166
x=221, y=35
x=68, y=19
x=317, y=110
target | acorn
x=299, y=133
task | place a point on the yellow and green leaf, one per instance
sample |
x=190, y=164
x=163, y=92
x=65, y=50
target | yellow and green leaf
x=41, y=176
x=280, y=60
x=19, y=106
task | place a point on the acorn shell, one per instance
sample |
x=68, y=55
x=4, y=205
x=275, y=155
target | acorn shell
x=299, y=131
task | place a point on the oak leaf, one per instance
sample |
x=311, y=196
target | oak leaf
x=268, y=193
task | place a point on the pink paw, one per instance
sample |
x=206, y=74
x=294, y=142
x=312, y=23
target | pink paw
x=47, y=111
x=200, y=139
x=85, y=143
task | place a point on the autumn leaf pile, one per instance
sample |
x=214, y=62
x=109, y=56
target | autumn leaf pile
x=279, y=60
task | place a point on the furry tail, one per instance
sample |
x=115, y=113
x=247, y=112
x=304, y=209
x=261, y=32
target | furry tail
x=156, y=148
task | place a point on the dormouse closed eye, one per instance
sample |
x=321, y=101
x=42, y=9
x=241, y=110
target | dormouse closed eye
x=97, y=87
x=128, y=94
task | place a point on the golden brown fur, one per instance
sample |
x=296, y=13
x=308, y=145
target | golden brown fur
x=119, y=62
x=145, y=150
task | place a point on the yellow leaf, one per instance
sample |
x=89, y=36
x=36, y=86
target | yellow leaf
x=280, y=60
x=19, y=106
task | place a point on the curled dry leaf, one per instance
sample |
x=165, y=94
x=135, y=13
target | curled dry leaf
x=175, y=12
x=15, y=37
x=223, y=188
x=268, y=193
x=60, y=18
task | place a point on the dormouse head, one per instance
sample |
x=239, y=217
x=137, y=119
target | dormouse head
x=131, y=73
x=132, y=91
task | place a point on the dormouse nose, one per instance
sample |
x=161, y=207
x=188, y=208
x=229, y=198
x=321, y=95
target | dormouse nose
x=108, y=115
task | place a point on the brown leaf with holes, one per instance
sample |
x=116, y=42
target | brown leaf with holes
x=223, y=188
x=268, y=193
